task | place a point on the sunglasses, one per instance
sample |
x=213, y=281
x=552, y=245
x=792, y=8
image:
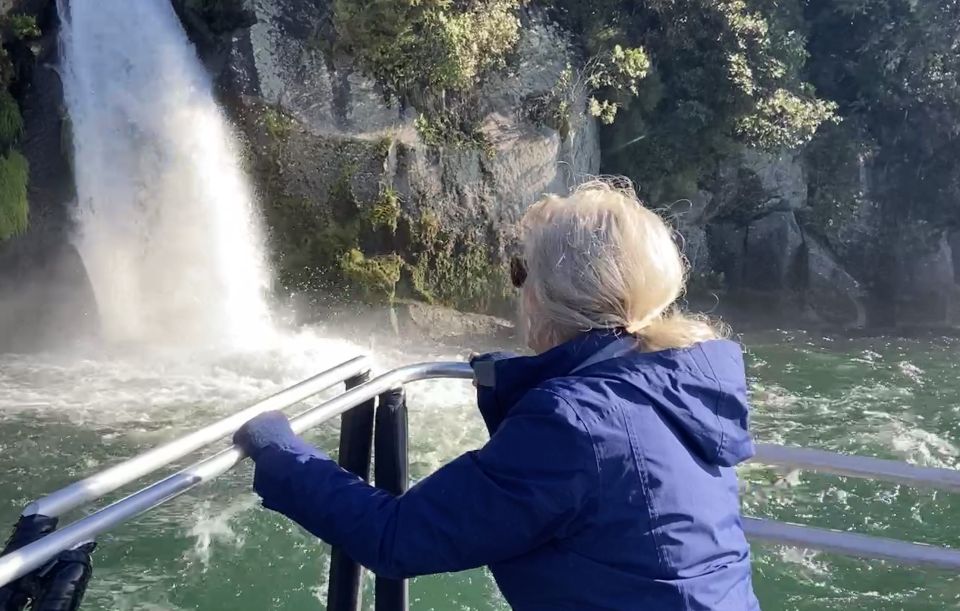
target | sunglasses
x=518, y=272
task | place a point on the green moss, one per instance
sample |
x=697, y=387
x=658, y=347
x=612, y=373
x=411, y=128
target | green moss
x=351, y=242
x=11, y=122
x=454, y=270
x=374, y=278
x=428, y=229
x=308, y=244
x=7, y=70
x=429, y=46
x=278, y=124
x=386, y=210
x=23, y=27
x=444, y=130
x=384, y=145
x=14, y=210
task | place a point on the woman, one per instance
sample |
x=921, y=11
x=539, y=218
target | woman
x=608, y=480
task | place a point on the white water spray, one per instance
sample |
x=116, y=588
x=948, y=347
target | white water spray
x=166, y=222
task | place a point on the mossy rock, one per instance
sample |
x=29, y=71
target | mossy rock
x=454, y=270
x=385, y=212
x=337, y=225
x=374, y=278
x=11, y=121
x=14, y=209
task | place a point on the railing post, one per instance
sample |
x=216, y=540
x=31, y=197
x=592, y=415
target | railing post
x=356, y=441
x=392, y=473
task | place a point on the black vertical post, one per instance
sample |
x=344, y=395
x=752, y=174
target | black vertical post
x=392, y=473
x=356, y=440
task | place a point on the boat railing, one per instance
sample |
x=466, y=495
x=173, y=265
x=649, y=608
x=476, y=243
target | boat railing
x=374, y=423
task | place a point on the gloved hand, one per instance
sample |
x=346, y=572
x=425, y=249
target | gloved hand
x=269, y=429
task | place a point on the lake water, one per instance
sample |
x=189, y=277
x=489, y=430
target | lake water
x=65, y=415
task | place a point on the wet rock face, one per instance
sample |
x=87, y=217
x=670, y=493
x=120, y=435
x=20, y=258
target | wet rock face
x=727, y=244
x=924, y=277
x=759, y=249
x=333, y=98
x=781, y=177
x=831, y=293
x=342, y=170
x=48, y=303
x=772, y=252
x=45, y=296
x=327, y=144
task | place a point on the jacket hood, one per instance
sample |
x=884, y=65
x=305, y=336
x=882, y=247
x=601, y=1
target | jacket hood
x=700, y=390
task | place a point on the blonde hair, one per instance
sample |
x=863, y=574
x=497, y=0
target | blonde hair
x=599, y=259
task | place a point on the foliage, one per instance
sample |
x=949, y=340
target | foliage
x=24, y=27
x=14, y=172
x=11, y=122
x=552, y=109
x=443, y=129
x=718, y=74
x=431, y=53
x=618, y=70
x=784, y=120
x=416, y=46
x=900, y=79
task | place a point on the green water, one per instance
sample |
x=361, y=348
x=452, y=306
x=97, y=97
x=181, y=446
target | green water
x=64, y=416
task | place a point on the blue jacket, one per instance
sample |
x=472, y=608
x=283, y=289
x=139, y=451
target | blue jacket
x=609, y=488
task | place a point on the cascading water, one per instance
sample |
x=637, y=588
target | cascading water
x=166, y=222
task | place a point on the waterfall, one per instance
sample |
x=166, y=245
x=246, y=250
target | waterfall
x=166, y=222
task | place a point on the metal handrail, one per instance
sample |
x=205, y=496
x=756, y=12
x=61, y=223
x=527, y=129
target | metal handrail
x=850, y=544
x=35, y=555
x=862, y=467
x=27, y=559
x=96, y=486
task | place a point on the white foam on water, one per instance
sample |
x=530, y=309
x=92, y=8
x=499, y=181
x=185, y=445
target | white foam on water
x=177, y=388
x=216, y=525
x=912, y=372
x=919, y=446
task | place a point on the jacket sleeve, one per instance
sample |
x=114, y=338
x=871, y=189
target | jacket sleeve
x=530, y=483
